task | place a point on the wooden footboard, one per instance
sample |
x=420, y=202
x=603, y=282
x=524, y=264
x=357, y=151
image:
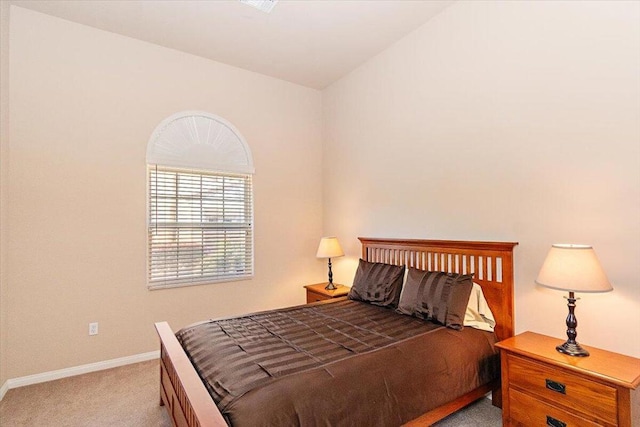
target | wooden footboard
x=190, y=405
x=181, y=390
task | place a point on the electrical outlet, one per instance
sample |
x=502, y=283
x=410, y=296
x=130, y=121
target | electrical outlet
x=93, y=328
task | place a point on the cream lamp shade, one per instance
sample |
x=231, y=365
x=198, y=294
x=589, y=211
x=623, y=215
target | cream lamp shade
x=329, y=248
x=573, y=268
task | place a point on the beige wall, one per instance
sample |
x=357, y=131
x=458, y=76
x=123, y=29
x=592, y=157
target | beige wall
x=515, y=121
x=83, y=105
x=4, y=146
x=496, y=120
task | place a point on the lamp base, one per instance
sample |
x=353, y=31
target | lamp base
x=572, y=349
x=331, y=287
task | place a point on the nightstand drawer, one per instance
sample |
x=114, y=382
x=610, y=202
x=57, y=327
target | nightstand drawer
x=319, y=292
x=564, y=388
x=527, y=411
x=313, y=297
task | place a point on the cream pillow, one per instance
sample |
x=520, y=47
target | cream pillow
x=478, y=314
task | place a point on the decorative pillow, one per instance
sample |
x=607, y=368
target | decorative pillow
x=437, y=296
x=377, y=283
x=412, y=290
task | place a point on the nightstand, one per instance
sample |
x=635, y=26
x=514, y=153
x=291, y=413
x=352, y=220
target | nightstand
x=317, y=292
x=542, y=387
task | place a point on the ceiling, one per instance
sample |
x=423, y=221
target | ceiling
x=309, y=42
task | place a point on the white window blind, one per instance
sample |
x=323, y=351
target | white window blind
x=200, y=227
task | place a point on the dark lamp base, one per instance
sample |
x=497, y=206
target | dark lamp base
x=572, y=349
x=330, y=286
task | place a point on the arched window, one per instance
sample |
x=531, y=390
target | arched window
x=200, y=202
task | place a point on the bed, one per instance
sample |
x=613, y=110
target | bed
x=188, y=396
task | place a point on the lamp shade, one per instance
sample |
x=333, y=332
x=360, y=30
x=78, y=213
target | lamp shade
x=573, y=268
x=329, y=248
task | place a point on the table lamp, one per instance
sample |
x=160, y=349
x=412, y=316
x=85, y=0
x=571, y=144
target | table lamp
x=573, y=268
x=329, y=248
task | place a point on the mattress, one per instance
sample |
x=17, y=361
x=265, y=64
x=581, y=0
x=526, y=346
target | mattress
x=335, y=363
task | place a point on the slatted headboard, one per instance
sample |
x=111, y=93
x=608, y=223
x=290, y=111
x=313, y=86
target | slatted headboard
x=491, y=263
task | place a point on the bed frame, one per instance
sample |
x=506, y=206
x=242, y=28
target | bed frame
x=189, y=404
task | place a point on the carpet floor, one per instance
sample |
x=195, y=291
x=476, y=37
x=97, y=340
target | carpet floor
x=129, y=396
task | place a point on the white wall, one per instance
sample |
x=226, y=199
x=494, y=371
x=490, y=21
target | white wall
x=83, y=105
x=516, y=121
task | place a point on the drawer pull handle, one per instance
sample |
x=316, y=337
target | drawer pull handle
x=552, y=422
x=555, y=386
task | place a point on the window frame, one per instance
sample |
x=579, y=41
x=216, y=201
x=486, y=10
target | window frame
x=199, y=145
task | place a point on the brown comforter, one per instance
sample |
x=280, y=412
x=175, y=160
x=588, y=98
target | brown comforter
x=340, y=363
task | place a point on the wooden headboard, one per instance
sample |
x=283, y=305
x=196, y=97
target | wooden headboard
x=491, y=263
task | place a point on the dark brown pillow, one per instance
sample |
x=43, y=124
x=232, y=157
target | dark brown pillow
x=437, y=296
x=377, y=283
x=412, y=290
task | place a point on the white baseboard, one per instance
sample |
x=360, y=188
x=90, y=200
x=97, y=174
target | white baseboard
x=76, y=370
x=4, y=389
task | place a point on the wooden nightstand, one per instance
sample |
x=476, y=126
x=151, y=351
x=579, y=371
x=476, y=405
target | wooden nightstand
x=317, y=292
x=542, y=387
